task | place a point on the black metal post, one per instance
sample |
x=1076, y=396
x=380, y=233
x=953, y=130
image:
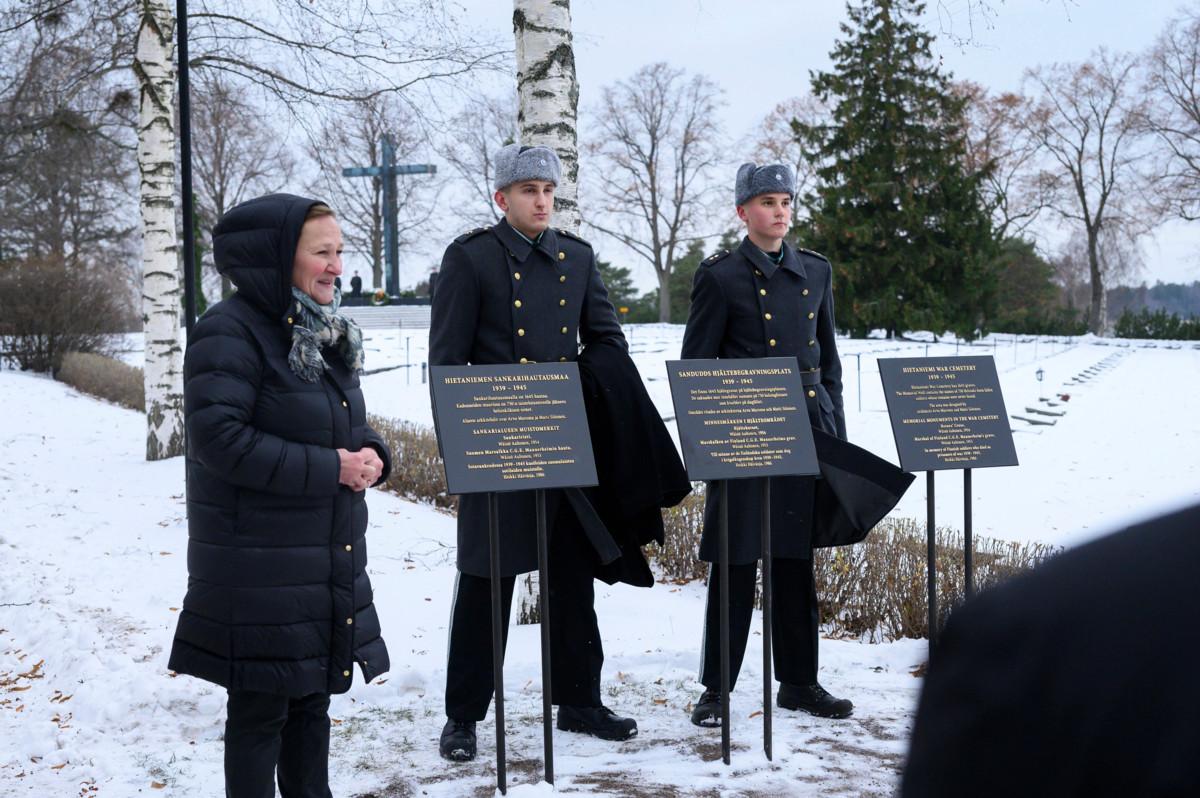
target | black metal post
x=185, y=164
x=724, y=577
x=931, y=556
x=766, y=604
x=544, y=617
x=858, y=360
x=968, y=546
x=497, y=637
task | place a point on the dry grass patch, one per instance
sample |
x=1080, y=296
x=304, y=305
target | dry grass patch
x=104, y=377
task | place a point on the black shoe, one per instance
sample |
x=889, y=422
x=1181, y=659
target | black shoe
x=814, y=699
x=458, y=740
x=707, y=712
x=599, y=722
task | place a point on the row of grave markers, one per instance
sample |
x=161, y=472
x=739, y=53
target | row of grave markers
x=524, y=427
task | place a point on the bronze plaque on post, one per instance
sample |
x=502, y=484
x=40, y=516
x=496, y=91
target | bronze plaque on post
x=512, y=427
x=947, y=413
x=742, y=418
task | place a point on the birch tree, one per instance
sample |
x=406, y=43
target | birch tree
x=548, y=93
x=1089, y=122
x=547, y=111
x=154, y=66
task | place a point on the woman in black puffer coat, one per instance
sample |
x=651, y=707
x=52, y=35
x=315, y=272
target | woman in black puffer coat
x=279, y=606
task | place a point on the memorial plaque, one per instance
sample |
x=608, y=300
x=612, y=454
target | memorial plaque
x=947, y=412
x=742, y=418
x=512, y=427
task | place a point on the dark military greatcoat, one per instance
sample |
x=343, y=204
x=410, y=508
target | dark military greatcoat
x=744, y=305
x=500, y=299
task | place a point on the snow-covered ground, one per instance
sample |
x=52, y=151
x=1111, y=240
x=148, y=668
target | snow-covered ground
x=93, y=545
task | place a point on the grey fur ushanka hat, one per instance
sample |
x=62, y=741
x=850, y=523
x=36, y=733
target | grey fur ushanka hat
x=515, y=164
x=752, y=180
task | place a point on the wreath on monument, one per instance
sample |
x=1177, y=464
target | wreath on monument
x=380, y=297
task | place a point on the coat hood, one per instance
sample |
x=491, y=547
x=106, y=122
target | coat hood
x=254, y=245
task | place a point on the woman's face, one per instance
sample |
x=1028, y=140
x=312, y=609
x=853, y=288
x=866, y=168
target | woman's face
x=318, y=258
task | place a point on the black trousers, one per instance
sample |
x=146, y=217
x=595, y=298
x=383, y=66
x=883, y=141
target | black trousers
x=576, y=653
x=795, y=617
x=268, y=735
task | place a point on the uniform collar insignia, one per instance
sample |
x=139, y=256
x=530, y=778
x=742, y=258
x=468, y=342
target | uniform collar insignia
x=520, y=247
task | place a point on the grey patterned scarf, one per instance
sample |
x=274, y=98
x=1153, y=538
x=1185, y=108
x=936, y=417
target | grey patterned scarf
x=318, y=326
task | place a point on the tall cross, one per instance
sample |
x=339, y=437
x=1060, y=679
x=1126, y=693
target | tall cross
x=388, y=171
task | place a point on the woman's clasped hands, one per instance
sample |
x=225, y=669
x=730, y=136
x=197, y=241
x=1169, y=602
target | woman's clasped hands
x=360, y=469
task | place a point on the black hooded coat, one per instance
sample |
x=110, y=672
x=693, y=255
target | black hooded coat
x=278, y=597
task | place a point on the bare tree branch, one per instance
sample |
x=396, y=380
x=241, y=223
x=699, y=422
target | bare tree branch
x=657, y=138
x=1173, y=115
x=1089, y=123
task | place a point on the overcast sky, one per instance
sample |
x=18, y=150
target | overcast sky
x=762, y=51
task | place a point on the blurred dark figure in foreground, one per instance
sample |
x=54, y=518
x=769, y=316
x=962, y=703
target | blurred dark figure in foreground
x=1078, y=679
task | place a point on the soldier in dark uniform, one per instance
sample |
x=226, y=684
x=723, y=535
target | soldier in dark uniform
x=521, y=292
x=766, y=299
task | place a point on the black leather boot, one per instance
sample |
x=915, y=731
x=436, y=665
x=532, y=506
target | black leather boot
x=458, y=740
x=814, y=699
x=599, y=722
x=707, y=712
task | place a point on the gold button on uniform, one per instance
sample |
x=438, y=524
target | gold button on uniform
x=521, y=331
x=563, y=330
x=772, y=342
x=562, y=256
x=757, y=273
x=804, y=292
x=346, y=673
x=562, y=278
x=517, y=304
x=812, y=394
x=762, y=291
x=767, y=316
x=516, y=275
x=290, y=320
x=524, y=360
x=349, y=547
x=811, y=315
x=562, y=303
x=349, y=621
x=562, y=360
x=344, y=403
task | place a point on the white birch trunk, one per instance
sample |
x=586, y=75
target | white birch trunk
x=548, y=93
x=547, y=108
x=154, y=66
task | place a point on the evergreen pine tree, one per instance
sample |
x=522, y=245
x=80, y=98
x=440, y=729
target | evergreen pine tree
x=896, y=210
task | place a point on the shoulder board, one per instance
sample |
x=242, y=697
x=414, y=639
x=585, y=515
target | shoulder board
x=711, y=259
x=467, y=236
x=572, y=236
x=813, y=254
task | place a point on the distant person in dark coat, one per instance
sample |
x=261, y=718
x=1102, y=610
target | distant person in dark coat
x=279, y=606
x=767, y=299
x=1076, y=680
x=356, y=285
x=522, y=292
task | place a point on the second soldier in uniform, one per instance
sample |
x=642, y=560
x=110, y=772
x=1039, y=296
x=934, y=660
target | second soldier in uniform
x=766, y=299
x=522, y=292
